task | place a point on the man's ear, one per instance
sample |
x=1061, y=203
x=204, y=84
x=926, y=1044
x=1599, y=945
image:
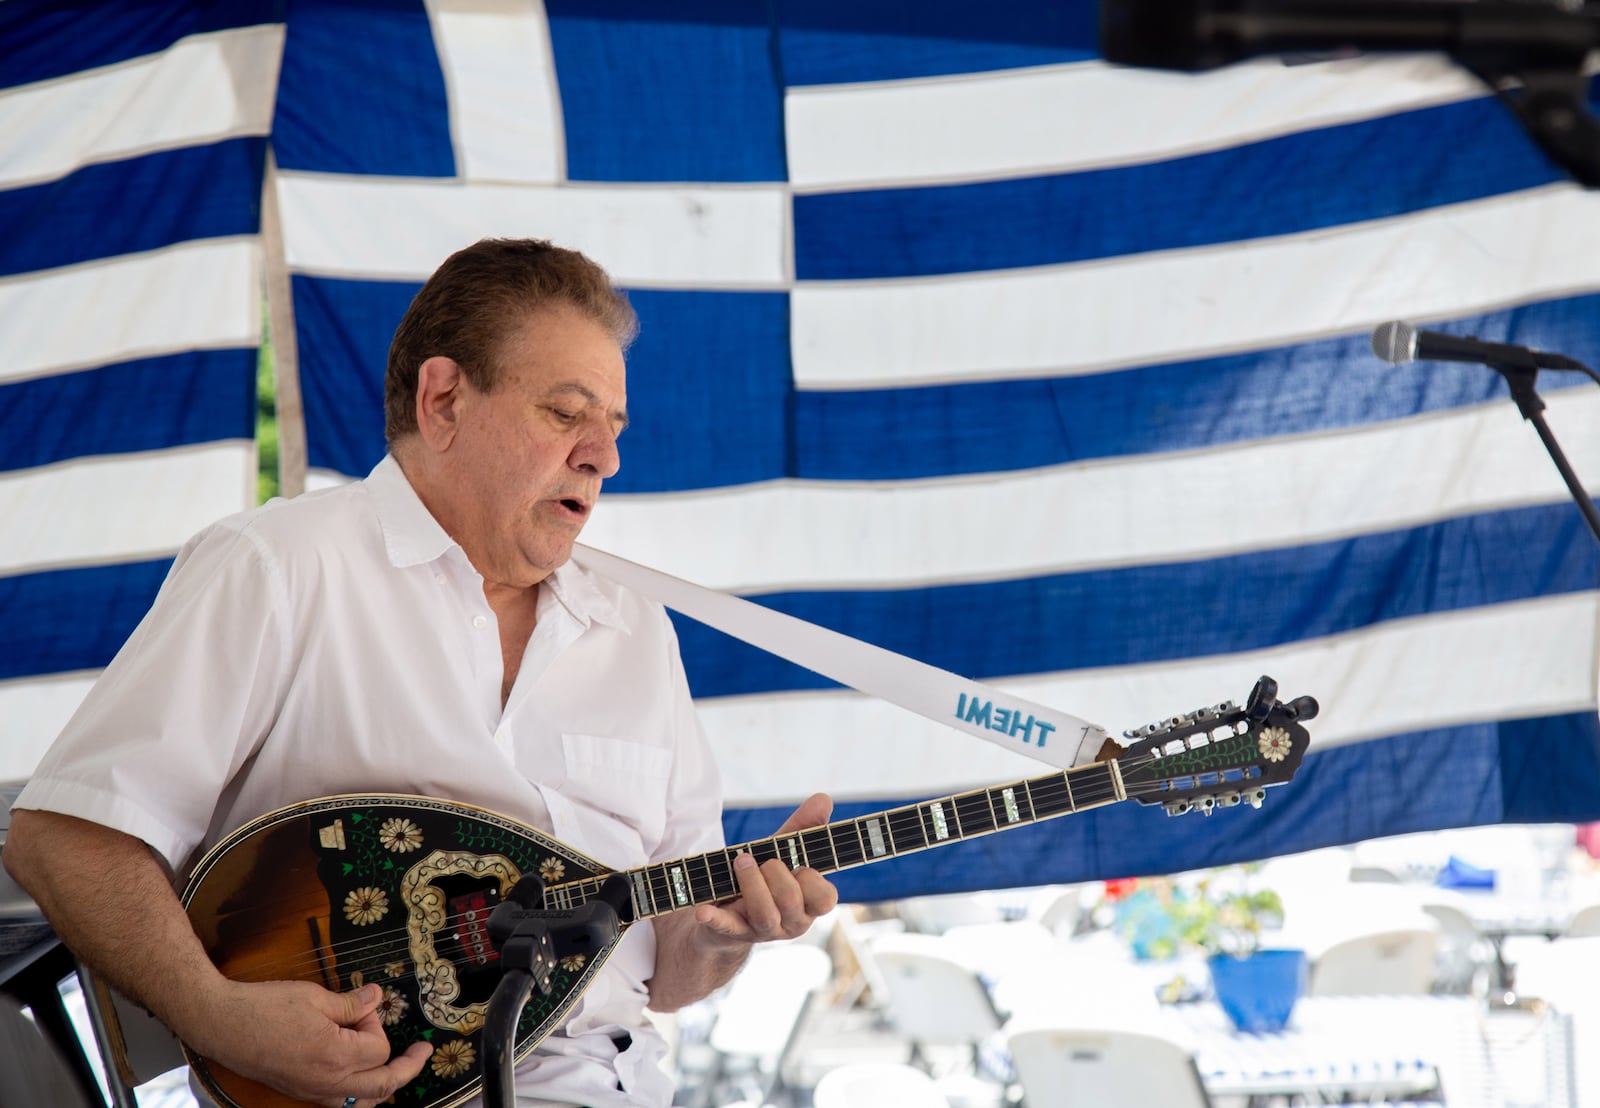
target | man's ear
x=441, y=389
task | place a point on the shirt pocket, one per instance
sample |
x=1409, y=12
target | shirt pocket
x=617, y=797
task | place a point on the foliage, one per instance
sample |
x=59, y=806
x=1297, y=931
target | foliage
x=266, y=425
x=1217, y=913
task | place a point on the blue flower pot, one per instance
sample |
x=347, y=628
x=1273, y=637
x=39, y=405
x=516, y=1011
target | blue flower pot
x=1259, y=991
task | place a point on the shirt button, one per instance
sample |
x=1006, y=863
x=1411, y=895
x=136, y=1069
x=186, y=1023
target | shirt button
x=439, y=577
x=479, y=622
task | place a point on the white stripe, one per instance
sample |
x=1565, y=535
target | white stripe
x=32, y=714
x=121, y=508
x=205, y=88
x=1187, y=304
x=645, y=235
x=505, y=108
x=1506, y=661
x=194, y=296
x=1144, y=509
x=1063, y=118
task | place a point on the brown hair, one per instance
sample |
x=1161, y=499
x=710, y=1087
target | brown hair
x=473, y=302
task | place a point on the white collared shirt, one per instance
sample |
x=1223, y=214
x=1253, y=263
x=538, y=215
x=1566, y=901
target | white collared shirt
x=341, y=642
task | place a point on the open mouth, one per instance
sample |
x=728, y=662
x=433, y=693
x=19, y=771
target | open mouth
x=575, y=507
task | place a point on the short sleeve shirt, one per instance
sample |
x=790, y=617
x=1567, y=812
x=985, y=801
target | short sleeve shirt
x=341, y=642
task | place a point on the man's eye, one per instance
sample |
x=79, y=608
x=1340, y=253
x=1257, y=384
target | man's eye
x=564, y=416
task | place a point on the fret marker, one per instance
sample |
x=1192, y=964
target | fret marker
x=940, y=831
x=680, y=888
x=794, y=854
x=875, y=839
x=1012, y=813
x=641, y=892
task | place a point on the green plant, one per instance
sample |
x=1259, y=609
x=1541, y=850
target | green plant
x=1226, y=915
x=1218, y=912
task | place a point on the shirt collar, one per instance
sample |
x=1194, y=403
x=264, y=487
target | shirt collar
x=579, y=593
x=411, y=536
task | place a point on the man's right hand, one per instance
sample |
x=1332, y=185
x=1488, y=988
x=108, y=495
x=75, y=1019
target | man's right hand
x=305, y=1041
x=111, y=901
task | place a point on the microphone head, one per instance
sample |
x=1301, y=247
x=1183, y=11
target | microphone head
x=1395, y=342
x=1163, y=34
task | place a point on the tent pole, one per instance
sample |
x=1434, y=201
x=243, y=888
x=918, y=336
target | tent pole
x=281, y=331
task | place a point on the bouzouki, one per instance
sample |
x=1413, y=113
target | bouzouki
x=396, y=890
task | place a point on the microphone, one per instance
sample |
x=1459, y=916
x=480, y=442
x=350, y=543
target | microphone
x=1202, y=34
x=1398, y=343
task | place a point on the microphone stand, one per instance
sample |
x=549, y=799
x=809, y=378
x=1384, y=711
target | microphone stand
x=531, y=940
x=1520, y=375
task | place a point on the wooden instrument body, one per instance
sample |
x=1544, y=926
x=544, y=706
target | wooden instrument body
x=389, y=890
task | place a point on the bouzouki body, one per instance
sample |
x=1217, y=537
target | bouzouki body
x=390, y=890
x=396, y=890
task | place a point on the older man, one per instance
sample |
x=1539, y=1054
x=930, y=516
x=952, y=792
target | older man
x=422, y=631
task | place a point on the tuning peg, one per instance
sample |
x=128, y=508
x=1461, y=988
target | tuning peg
x=1178, y=807
x=1206, y=805
x=1262, y=699
x=1303, y=707
x=1255, y=797
x=1228, y=800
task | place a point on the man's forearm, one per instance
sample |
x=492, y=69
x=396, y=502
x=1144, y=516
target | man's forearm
x=111, y=902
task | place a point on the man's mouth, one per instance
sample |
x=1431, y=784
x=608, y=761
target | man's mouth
x=574, y=507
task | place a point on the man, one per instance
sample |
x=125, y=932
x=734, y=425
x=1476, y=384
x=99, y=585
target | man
x=422, y=631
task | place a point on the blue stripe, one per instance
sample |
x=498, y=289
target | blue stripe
x=709, y=390
x=127, y=408
x=679, y=92
x=175, y=196
x=1144, y=614
x=64, y=620
x=990, y=427
x=44, y=39
x=839, y=41
x=698, y=424
x=697, y=421
x=362, y=91
x=1300, y=182
x=344, y=329
x=1422, y=781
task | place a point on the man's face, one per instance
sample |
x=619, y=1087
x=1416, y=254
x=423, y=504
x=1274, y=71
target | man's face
x=530, y=456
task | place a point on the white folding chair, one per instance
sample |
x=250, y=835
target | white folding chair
x=1057, y=909
x=1382, y=962
x=934, y=915
x=761, y=1014
x=862, y=975
x=1585, y=923
x=1072, y=1067
x=1464, y=960
x=877, y=1085
x=936, y=1000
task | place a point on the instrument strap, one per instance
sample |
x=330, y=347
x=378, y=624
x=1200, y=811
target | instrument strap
x=1019, y=725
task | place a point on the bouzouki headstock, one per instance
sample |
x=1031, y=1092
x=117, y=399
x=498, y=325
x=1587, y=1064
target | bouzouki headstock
x=1219, y=756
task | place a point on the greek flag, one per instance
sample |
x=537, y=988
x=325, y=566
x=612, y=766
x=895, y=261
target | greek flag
x=956, y=339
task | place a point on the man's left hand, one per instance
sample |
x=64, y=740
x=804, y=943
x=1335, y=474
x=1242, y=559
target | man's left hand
x=776, y=902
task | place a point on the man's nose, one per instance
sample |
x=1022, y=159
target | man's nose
x=596, y=452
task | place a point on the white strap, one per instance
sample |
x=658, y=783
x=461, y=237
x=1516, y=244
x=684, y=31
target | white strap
x=1018, y=725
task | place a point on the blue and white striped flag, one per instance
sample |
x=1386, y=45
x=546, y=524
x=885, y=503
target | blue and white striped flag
x=955, y=339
